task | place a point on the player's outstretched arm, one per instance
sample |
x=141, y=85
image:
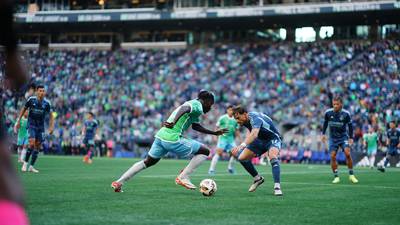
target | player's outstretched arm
x=250, y=137
x=182, y=110
x=51, y=124
x=201, y=129
x=17, y=124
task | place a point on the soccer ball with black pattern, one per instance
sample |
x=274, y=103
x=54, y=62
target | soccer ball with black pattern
x=208, y=187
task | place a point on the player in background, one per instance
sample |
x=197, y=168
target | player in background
x=371, y=143
x=226, y=141
x=38, y=107
x=22, y=140
x=338, y=120
x=393, y=143
x=89, y=131
x=169, y=139
x=263, y=137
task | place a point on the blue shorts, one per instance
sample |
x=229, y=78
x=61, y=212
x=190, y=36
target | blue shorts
x=183, y=148
x=392, y=151
x=22, y=141
x=36, y=133
x=88, y=142
x=260, y=147
x=336, y=144
x=225, y=145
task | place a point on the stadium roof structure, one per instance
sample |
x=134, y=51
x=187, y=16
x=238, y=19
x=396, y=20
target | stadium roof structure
x=297, y=15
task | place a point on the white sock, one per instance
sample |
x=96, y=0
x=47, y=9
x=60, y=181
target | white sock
x=136, y=168
x=193, y=164
x=257, y=177
x=214, y=162
x=372, y=161
x=277, y=185
x=23, y=153
x=231, y=161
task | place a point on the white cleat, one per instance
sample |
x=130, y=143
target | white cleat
x=185, y=182
x=278, y=192
x=24, y=167
x=33, y=170
x=255, y=184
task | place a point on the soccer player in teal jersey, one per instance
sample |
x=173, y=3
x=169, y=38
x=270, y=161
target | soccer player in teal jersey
x=22, y=140
x=170, y=139
x=371, y=142
x=227, y=141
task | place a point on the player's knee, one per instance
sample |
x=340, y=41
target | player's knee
x=149, y=161
x=203, y=150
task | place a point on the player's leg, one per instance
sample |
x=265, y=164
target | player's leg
x=334, y=166
x=156, y=152
x=214, y=160
x=273, y=155
x=371, y=157
x=24, y=147
x=245, y=158
x=228, y=149
x=35, y=155
x=200, y=151
x=29, y=151
x=349, y=162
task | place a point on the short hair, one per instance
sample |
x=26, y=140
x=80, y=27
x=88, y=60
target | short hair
x=90, y=113
x=229, y=106
x=39, y=86
x=206, y=95
x=239, y=109
x=338, y=98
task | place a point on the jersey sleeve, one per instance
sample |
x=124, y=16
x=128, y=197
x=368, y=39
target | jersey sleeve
x=196, y=110
x=28, y=103
x=255, y=122
x=218, y=124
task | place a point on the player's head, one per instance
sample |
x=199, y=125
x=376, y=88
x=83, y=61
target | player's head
x=207, y=100
x=371, y=129
x=229, y=110
x=392, y=124
x=90, y=115
x=40, y=91
x=240, y=114
x=337, y=103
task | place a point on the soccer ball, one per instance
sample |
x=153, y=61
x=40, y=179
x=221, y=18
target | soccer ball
x=208, y=187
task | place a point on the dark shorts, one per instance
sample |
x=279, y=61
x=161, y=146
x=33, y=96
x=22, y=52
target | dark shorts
x=36, y=133
x=260, y=147
x=392, y=151
x=88, y=142
x=335, y=145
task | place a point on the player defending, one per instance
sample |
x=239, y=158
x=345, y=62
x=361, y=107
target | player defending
x=263, y=137
x=227, y=141
x=38, y=107
x=22, y=141
x=393, y=143
x=338, y=120
x=88, y=132
x=371, y=142
x=169, y=139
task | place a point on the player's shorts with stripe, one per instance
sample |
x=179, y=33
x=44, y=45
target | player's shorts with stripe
x=183, y=147
x=22, y=141
x=336, y=144
x=372, y=151
x=36, y=133
x=392, y=151
x=225, y=145
x=259, y=146
x=88, y=141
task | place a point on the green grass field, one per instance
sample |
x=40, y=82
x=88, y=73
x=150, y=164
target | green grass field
x=66, y=191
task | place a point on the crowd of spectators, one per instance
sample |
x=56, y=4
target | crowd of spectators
x=132, y=91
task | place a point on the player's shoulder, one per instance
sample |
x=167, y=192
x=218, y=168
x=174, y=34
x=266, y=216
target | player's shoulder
x=328, y=111
x=346, y=112
x=32, y=98
x=47, y=101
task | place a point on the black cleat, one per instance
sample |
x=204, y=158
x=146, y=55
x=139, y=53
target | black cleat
x=382, y=169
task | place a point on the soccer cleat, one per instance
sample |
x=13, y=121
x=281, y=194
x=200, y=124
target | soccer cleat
x=116, y=186
x=278, y=192
x=353, y=179
x=33, y=170
x=211, y=172
x=85, y=159
x=255, y=184
x=336, y=180
x=185, y=183
x=24, y=167
x=90, y=161
x=231, y=171
x=381, y=168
